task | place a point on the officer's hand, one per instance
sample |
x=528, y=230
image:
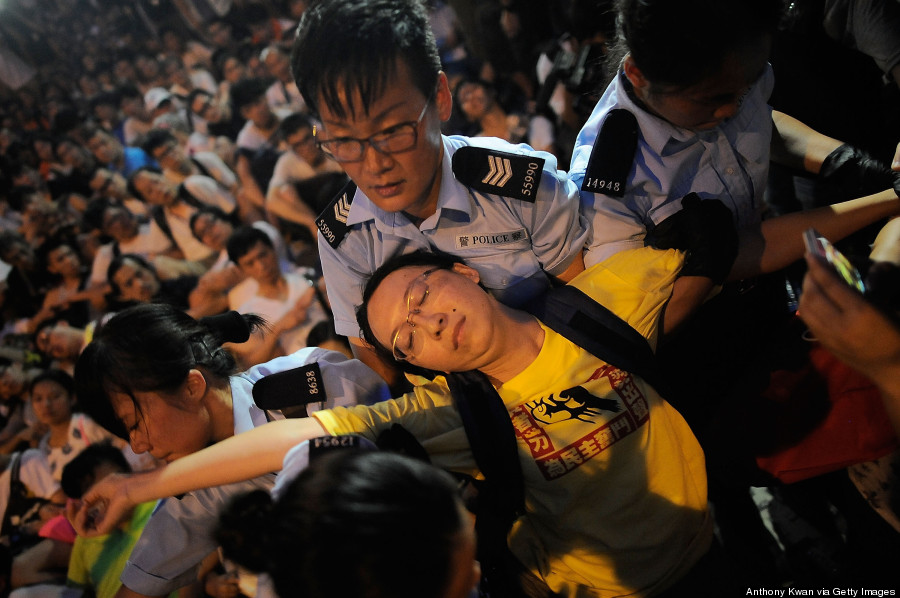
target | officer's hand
x=675, y=231
x=704, y=230
x=853, y=172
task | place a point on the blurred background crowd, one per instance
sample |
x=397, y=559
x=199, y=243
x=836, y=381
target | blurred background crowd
x=159, y=151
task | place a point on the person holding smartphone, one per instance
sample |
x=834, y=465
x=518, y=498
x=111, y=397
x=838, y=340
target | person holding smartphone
x=852, y=328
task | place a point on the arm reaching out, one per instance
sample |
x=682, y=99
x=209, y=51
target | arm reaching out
x=242, y=457
x=779, y=241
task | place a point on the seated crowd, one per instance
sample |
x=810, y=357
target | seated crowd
x=240, y=212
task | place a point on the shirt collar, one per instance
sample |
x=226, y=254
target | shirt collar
x=657, y=132
x=246, y=414
x=452, y=196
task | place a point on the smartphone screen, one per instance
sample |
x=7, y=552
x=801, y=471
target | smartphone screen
x=818, y=245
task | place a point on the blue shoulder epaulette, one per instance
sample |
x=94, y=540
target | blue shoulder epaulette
x=332, y=222
x=499, y=173
x=291, y=391
x=612, y=155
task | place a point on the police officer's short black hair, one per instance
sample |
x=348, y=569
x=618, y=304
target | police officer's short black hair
x=678, y=43
x=354, y=46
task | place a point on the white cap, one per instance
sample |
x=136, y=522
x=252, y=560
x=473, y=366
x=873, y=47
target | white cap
x=155, y=97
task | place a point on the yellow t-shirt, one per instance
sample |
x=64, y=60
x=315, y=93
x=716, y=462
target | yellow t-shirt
x=615, y=480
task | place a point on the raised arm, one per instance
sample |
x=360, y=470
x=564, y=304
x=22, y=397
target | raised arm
x=779, y=241
x=795, y=144
x=238, y=458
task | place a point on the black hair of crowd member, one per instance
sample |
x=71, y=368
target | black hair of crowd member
x=155, y=138
x=368, y=506
x=243, y=239
x=246, y=91
x=79, y=474
x=132, y=188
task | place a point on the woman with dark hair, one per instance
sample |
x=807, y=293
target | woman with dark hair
x=161, y=379
x=687, y=112
x=368, y=507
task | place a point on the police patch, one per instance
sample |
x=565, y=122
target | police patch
x=612, y=154
x=332, y=222
x=498, y=173
x=476, y=241
x=291, y=390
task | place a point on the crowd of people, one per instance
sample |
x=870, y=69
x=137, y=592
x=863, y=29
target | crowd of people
x=526, y=221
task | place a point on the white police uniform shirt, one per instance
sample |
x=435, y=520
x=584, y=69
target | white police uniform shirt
x=729, y=162
x=510, y=242
x=179, y=533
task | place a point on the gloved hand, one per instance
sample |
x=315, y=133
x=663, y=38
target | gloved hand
x=850, y=172
x=704, y=230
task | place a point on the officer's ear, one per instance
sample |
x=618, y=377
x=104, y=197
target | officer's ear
x=634, y=74
x=443, y=98
x=195, y=385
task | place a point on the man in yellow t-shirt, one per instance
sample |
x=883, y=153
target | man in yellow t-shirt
x=615, y=484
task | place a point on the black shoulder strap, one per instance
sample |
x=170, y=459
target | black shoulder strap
x=591, y=326
x=499, y=173
x=15, y=466
x=188, y=197
x=202, y=168
x=159, y=216
x=332, y=222
x=490, y=432
x=501, y=497
x=612, y=154
x=291, y=391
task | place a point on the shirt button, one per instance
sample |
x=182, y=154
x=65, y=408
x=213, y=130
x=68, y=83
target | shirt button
x=729, y=170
